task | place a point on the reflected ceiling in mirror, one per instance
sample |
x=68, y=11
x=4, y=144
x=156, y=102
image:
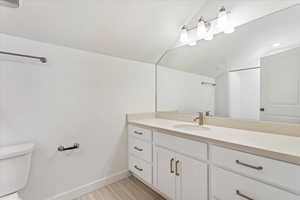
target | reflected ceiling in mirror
x=241, y=49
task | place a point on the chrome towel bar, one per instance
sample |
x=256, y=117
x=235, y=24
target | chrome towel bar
x=42, y=59
x=208, y=83
x=62, y=148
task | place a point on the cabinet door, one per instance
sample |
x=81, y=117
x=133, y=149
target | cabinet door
x=191, y=179
x=165, y=172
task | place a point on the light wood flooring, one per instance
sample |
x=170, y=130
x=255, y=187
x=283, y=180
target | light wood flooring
x=127, y=189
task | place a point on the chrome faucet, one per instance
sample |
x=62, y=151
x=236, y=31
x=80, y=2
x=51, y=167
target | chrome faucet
x=200, y=119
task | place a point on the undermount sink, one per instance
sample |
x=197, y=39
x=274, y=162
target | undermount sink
x=191, y=127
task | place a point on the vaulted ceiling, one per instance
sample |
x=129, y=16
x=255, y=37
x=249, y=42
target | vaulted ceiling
x=241, y=49
x=134, y=29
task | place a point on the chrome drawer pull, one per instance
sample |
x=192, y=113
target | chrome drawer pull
x=138, y=133
x=171, y=165
x=176, y=168
x=138, y=149
x=242, y=195
x=136, y=167
x=247, y=165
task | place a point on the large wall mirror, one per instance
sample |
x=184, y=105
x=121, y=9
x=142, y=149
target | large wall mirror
x=253, y=73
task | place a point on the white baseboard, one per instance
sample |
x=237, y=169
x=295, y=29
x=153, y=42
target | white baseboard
x=81, y=190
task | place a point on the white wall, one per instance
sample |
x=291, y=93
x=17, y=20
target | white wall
x=183, y=91
x=77, y=97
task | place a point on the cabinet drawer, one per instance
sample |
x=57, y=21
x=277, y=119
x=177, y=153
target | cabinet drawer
x=188, y=147
x=228, y=186
x=141, y=169
x=141, y=133
x=272, y=171
x=140, y=148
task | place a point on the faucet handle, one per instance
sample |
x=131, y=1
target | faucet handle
x=207, y=113
x=200, y=118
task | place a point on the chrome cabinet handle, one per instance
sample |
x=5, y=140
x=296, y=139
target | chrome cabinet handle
x=138, y=149
x=136, y=167
x=176, y=168
x=242, y=195
x=138, y=133
x=247, y=165
x=171, y=165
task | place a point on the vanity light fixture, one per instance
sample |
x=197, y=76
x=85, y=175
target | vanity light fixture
x=206, y=29
x=201, y=28
x=209, y=34
x=223, y=21
x=184, y=37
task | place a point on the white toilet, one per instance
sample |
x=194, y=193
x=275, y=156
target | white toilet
x=15, y=164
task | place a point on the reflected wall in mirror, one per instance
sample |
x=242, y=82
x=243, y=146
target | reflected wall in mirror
x=253, y=73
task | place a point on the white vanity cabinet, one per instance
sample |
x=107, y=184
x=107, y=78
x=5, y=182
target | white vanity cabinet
x=251, y=177
x=180, y=176
x=228, y=186
x=272, y=171
x=192, y=179
x=140, y=152
x=187, y=169
x=165, y=180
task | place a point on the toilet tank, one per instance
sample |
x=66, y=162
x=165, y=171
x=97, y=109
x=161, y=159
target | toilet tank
x=14, y=167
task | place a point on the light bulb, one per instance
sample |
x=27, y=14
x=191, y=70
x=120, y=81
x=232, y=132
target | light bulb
x=201, y=28
x=193, y=43
x=184, y=38
x=222, y=21
x=229, y=29
x=209, y=34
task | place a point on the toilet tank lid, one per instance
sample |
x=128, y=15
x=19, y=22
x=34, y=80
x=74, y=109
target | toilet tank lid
x=15, y=150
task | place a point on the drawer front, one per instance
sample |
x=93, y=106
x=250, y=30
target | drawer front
x=272, y=171
x=188, y=147
x=141, y=133
x=141, y=169
x=140, y=149
x=229, y=186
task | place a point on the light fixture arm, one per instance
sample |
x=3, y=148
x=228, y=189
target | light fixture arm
x=222, y=9
x=202, y=19
x=206, y=21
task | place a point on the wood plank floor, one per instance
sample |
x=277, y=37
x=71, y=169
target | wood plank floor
x=127, y=189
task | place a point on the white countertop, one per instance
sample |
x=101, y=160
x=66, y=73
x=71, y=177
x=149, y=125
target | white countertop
x=280, y=147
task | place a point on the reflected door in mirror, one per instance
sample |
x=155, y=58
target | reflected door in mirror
x=280, y=90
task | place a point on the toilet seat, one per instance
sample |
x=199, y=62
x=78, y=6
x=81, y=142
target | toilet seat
x=14, y=196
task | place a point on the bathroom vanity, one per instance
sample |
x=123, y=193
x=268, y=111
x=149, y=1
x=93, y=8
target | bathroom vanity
x=184, y=161
x=251, y=85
